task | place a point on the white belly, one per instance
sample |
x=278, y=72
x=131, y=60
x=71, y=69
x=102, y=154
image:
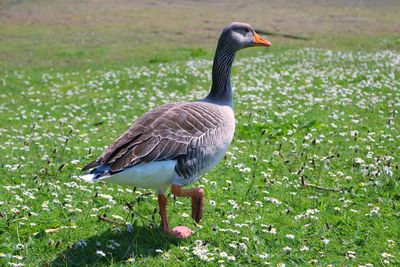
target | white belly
x=157, y=175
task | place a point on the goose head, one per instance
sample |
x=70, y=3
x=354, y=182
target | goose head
x=239, y=35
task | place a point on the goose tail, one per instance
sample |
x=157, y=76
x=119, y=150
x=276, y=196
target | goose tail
x=100, y=172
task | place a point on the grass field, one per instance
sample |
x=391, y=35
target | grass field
x=312, y=176
x=99, y=33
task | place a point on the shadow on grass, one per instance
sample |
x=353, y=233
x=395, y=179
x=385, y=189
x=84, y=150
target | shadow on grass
x=117, y=246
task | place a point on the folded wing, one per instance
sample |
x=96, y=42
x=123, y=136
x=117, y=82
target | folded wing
x=171, y=131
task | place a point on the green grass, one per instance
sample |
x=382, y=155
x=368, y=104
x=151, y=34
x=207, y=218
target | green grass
x=329, y=117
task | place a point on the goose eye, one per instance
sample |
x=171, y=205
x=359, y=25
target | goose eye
x=246, y=30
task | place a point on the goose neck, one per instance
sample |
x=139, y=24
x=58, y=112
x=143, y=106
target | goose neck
x=221, y=89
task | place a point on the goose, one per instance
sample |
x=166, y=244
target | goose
x=174, y=144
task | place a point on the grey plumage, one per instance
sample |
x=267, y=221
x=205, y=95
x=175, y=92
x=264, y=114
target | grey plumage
x=181, y=131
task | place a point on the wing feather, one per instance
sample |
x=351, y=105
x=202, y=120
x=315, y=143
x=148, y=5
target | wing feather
x=167, y=132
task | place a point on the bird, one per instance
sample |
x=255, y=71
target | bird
x=174, y=144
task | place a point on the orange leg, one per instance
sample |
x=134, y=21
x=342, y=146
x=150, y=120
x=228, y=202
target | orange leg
x=180, y=231
x=162, y=203
x=197, y=195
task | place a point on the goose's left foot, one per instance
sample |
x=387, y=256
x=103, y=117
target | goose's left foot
x=198, y=205
x=197, y=195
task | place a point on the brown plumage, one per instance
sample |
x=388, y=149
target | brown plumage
x=161, y=134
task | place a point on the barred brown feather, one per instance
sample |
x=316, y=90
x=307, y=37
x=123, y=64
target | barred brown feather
x=168, y=132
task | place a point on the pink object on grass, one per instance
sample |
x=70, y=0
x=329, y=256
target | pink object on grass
x=181, y=232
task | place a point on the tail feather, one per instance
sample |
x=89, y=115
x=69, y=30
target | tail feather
x=100, y=171
x=90, y=165
x=88, y=177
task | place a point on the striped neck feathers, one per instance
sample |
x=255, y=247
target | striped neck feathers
x=221, y=89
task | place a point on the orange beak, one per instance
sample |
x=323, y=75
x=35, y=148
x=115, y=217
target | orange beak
x=259, y=41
